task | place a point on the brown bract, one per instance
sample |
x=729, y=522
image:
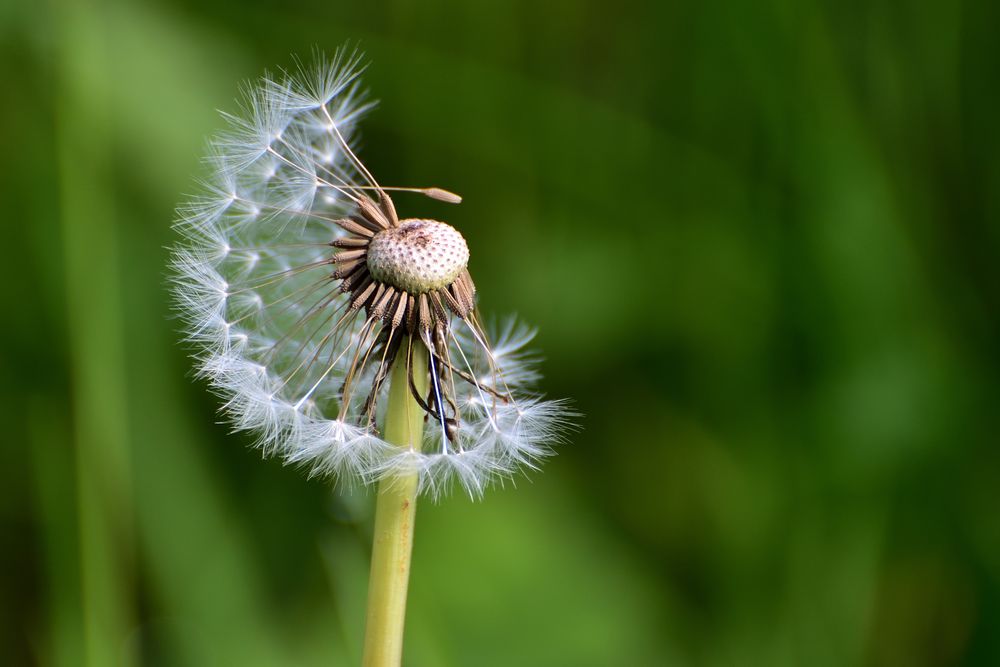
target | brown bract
x=406, y=275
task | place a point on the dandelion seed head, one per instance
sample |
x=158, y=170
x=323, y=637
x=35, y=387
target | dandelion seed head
x=299, y=286
x=418, y=256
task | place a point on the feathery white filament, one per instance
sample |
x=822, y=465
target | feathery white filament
x=273, y=332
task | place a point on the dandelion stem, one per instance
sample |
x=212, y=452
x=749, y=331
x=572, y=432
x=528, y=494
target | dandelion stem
x=394, y=514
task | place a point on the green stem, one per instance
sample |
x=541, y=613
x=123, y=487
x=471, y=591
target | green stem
x=394, y=514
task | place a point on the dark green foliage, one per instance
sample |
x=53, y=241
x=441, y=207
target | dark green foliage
x=760, y=240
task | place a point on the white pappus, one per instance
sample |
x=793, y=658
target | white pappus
x=298, y=285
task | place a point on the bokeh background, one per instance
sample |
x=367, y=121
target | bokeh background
x=760, y=240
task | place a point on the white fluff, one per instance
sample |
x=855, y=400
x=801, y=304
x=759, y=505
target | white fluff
x=257, y=306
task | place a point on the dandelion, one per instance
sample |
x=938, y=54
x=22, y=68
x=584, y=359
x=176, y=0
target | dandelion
x=344, y=337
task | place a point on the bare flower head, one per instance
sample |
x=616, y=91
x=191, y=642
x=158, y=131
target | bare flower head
x=300, y=284
x=420, y=256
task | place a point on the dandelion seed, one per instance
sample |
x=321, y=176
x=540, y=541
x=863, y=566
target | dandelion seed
x=300, y=285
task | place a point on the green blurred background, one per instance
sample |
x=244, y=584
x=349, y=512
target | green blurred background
x=760, y=240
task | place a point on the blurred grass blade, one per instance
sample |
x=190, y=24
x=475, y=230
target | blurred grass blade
x=54, y=492
x=96, y=346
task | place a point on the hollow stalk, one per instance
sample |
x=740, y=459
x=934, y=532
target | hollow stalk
x=394, y=514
